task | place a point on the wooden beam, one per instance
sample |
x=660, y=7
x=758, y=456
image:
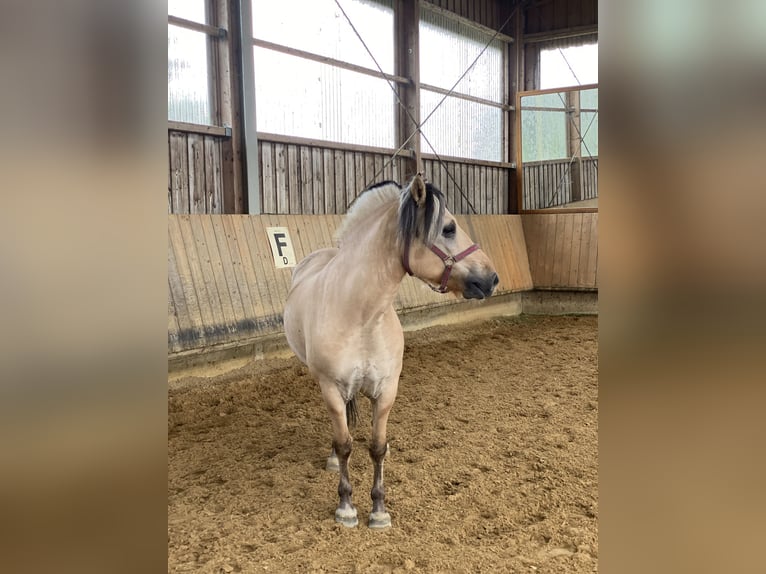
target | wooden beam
x=469, y=161
x=197, y=27
x=227, y=16
x=558, y=34
x=407, y=57
x=483, y=101
x=554, y=90
x=573, y=143
x=553, y=210
x=278, y=138
x=470, y=23
x=328, y=60
x=199, y=129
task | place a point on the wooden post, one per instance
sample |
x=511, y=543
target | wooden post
x=227, y=16
x=574, y=129
x=406, y=24
x=514, y=84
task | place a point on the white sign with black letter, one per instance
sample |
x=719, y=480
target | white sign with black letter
x=281, y=247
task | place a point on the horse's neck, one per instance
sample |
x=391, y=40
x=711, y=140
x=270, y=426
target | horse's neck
x=374, y=269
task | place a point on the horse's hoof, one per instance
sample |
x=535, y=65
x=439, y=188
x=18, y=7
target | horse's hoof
x=379, y=520
x=332, y=464
x=347, y=517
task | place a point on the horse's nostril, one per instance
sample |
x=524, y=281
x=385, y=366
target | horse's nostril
x=496, y=280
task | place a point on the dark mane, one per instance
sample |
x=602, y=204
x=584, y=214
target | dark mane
x=424, y=223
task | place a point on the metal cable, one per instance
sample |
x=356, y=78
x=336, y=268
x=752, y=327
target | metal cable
x=409, y=115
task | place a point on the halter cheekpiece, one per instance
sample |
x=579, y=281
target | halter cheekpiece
x=448, y=260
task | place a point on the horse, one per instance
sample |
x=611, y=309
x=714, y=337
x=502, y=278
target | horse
x=340, y=320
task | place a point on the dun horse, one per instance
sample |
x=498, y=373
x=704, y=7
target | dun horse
x=340, y=320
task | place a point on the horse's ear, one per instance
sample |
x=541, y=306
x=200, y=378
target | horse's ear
x=418, y=190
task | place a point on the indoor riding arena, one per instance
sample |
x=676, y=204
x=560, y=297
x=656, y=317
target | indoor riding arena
x=283, y=120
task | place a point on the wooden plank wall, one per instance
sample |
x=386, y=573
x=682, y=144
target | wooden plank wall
x=543, y=185
x=553, y=15
x=562, y=250
x=483, y=186
x=223, y=287
x=546, y=183
x=196, y=178
x=301, y=178
x=489, y=13
x=589, y=175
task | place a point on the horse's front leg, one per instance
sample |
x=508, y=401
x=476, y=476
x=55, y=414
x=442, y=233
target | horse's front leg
x=381, y=407
x=341, y=444
x=332, y=464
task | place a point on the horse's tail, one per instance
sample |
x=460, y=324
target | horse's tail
x=352, y=415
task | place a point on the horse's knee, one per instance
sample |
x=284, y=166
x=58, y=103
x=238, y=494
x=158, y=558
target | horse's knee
x=343, y=450
x=378, y=451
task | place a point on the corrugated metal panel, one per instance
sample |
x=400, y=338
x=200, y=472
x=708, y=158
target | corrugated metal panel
x=319, y=27
x=193, y=10
x=461, y=128
x=447, y=49
x=312, y=100
x=188, y=76
x=568, y=62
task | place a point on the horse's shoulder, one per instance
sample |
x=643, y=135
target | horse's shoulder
x=312, y=263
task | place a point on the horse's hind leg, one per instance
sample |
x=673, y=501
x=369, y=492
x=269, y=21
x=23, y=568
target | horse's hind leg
x=341, y=445
x=381, y=407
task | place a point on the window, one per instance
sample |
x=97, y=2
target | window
x=189, y=73
x=298, y=92
x=568, y=66
x=469, y=123
x=559, y=148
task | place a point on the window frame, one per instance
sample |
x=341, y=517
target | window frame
x=520, y=164
x=505, y=106
x=217, y=39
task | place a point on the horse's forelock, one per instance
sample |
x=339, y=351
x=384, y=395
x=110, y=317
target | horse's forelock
x=424, y=223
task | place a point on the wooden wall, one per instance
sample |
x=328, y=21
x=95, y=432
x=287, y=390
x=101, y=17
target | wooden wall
x=223, y=287
x=197, y=172
x=318, y=178
x=562, y=250
x=489, y=13
x=554, y=15
x=543, y=185
x=483, y=185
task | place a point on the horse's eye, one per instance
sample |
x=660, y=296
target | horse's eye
x=449, y=229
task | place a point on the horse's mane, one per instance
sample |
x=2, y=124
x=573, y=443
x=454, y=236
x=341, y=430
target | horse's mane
x=370, y=199
x=423, y=222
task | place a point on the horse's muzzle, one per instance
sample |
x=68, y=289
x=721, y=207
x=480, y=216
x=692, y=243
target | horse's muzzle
x=480, y=286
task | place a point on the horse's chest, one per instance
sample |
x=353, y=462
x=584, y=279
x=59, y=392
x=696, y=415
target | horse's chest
x=368, y=376
x=367, y=369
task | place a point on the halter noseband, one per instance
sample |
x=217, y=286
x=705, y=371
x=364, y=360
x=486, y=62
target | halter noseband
x=448, y=260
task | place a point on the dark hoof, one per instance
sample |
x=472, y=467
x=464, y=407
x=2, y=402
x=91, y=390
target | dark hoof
x=379, y=520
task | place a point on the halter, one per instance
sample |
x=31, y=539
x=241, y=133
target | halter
x=448, y=260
